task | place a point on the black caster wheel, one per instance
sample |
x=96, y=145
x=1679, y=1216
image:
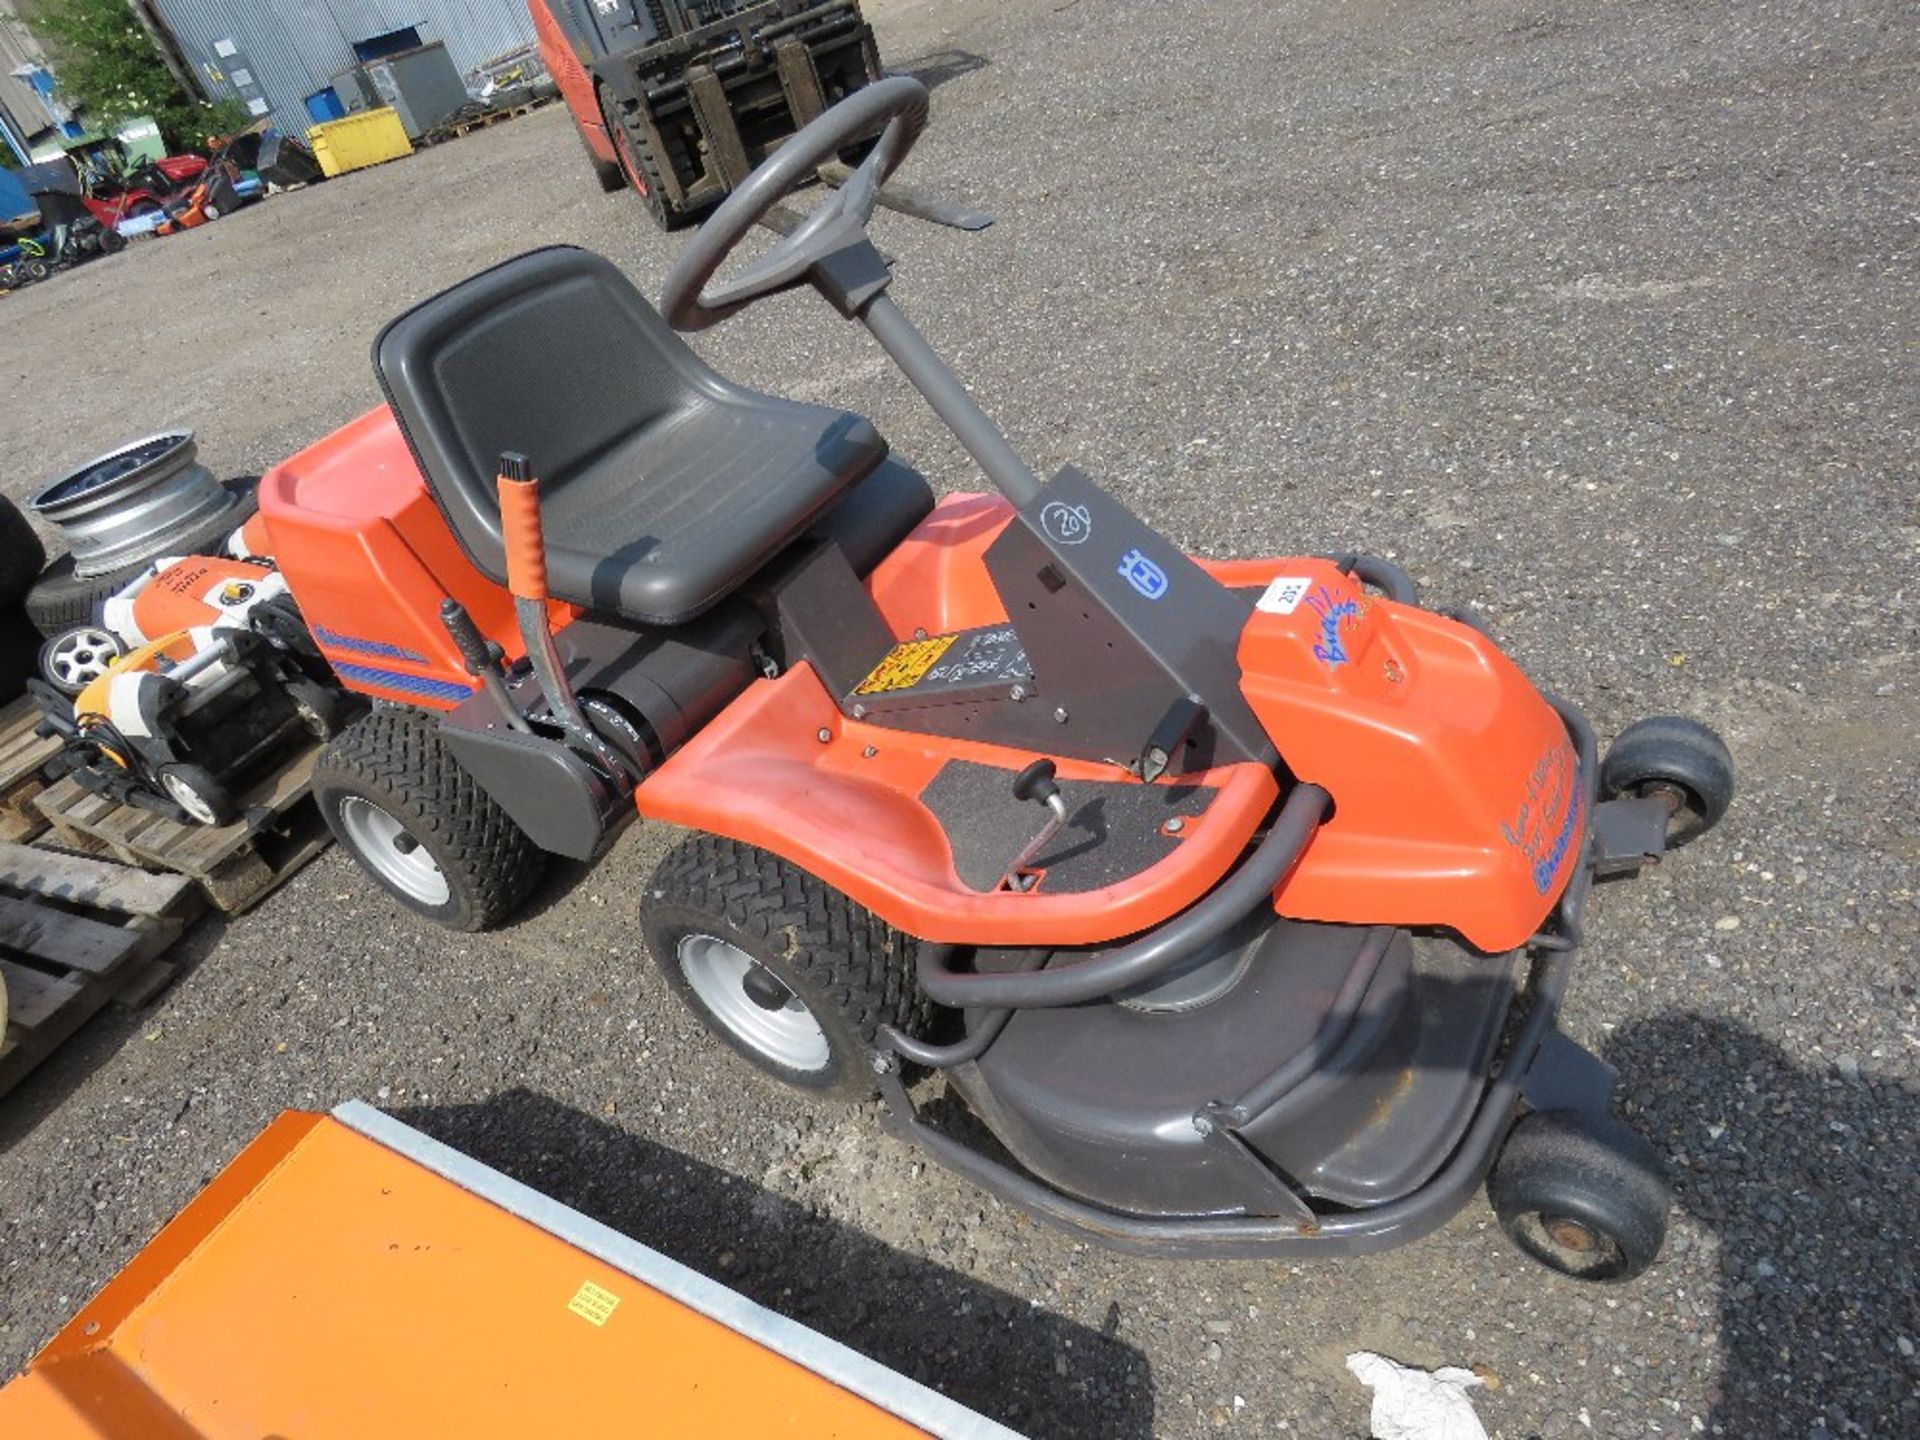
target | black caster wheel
x=1581, y=1193
x=1678, y=759
x=200, y=797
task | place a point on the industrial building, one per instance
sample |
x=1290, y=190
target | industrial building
x=302, y=61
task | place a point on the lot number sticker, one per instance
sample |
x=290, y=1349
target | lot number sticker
x=1284, y=595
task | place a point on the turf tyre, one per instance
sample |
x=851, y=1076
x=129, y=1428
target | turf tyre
x=394, y=759
x=851, y=970
x=19, y=652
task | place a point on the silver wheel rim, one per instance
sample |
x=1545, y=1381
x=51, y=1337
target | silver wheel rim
x=382, y=843
x=76, y=658
x=718, y=972
x=188, y=799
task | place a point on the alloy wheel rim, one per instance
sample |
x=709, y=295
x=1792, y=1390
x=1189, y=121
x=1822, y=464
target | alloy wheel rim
x=393, y=852
x=80, y=656
x=188, y=799
x=720, y=973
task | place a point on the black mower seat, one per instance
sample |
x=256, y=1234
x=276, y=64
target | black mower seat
x=663, y=485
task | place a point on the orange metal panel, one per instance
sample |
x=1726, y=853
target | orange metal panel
x=1455, y=786
x=370, y=558
x=849, y=811
x=325, y=1285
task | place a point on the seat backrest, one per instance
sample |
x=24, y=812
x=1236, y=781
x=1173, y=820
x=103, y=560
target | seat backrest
x=554, y=354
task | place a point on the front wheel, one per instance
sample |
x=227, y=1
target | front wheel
x=640, y=167
x=1680, y=760
x=792, y=974
x=420, y=825
x=1581, y=1193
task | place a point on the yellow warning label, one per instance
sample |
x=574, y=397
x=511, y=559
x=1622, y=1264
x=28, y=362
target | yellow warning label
x=906, y=665
x=592, y=1304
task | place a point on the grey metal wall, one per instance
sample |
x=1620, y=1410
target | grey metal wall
x=290, y=49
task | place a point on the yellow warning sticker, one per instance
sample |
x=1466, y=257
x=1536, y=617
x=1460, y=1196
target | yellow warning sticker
x=906, y=665
x=592, y=1304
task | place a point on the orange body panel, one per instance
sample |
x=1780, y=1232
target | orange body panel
x=1457, y=798
x=326, y=1285
x=370, y=558
x=1454, y=786
x=760, y=774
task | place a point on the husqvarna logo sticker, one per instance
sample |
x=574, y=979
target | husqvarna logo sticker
x=1145, y=576
x=1066, y=524
x=1549, y=816
x=1334, y=615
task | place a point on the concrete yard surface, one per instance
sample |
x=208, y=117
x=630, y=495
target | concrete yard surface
x=1601, y=318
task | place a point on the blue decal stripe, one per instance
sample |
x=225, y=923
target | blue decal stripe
x=366, y=647
x=412, y=684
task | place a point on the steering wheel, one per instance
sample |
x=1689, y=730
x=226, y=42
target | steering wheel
x=899, y=104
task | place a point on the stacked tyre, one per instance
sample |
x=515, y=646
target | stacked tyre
x=21, y=556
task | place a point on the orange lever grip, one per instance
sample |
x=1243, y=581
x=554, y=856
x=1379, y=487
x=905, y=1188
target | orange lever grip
x=521, y=535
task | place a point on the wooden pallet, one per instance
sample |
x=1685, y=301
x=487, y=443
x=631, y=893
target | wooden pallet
x=76, y=932
x=23, y=755
x=235, y=865
x=459, y=128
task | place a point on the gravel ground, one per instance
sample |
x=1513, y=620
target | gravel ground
x=1600, y=317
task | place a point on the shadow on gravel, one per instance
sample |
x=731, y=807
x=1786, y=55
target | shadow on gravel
x=1809, y=1188
x=987, y=1349
x=561, y=879
x=937, y=67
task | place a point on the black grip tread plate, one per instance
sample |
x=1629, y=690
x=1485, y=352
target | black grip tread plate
x=1113, y=831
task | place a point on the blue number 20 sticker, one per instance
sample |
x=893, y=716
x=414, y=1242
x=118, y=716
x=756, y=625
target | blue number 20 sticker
x=1145, y=576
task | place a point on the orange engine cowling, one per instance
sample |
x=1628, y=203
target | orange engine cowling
x=370, y=558
x=1457, y=795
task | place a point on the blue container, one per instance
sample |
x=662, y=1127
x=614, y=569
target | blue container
x=325, y=105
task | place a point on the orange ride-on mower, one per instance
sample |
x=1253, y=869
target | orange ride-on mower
x=1235, y=898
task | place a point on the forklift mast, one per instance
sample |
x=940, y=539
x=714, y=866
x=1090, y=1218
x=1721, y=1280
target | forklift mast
x=704, y=90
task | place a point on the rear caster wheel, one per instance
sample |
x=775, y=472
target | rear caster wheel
x=792, y=974
x=203, y=799
x=323, y=712
x=420, y=825
x=1582, y=1194
x=1677, y=758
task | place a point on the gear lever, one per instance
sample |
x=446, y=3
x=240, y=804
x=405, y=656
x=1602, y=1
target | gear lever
x=1036, y=783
